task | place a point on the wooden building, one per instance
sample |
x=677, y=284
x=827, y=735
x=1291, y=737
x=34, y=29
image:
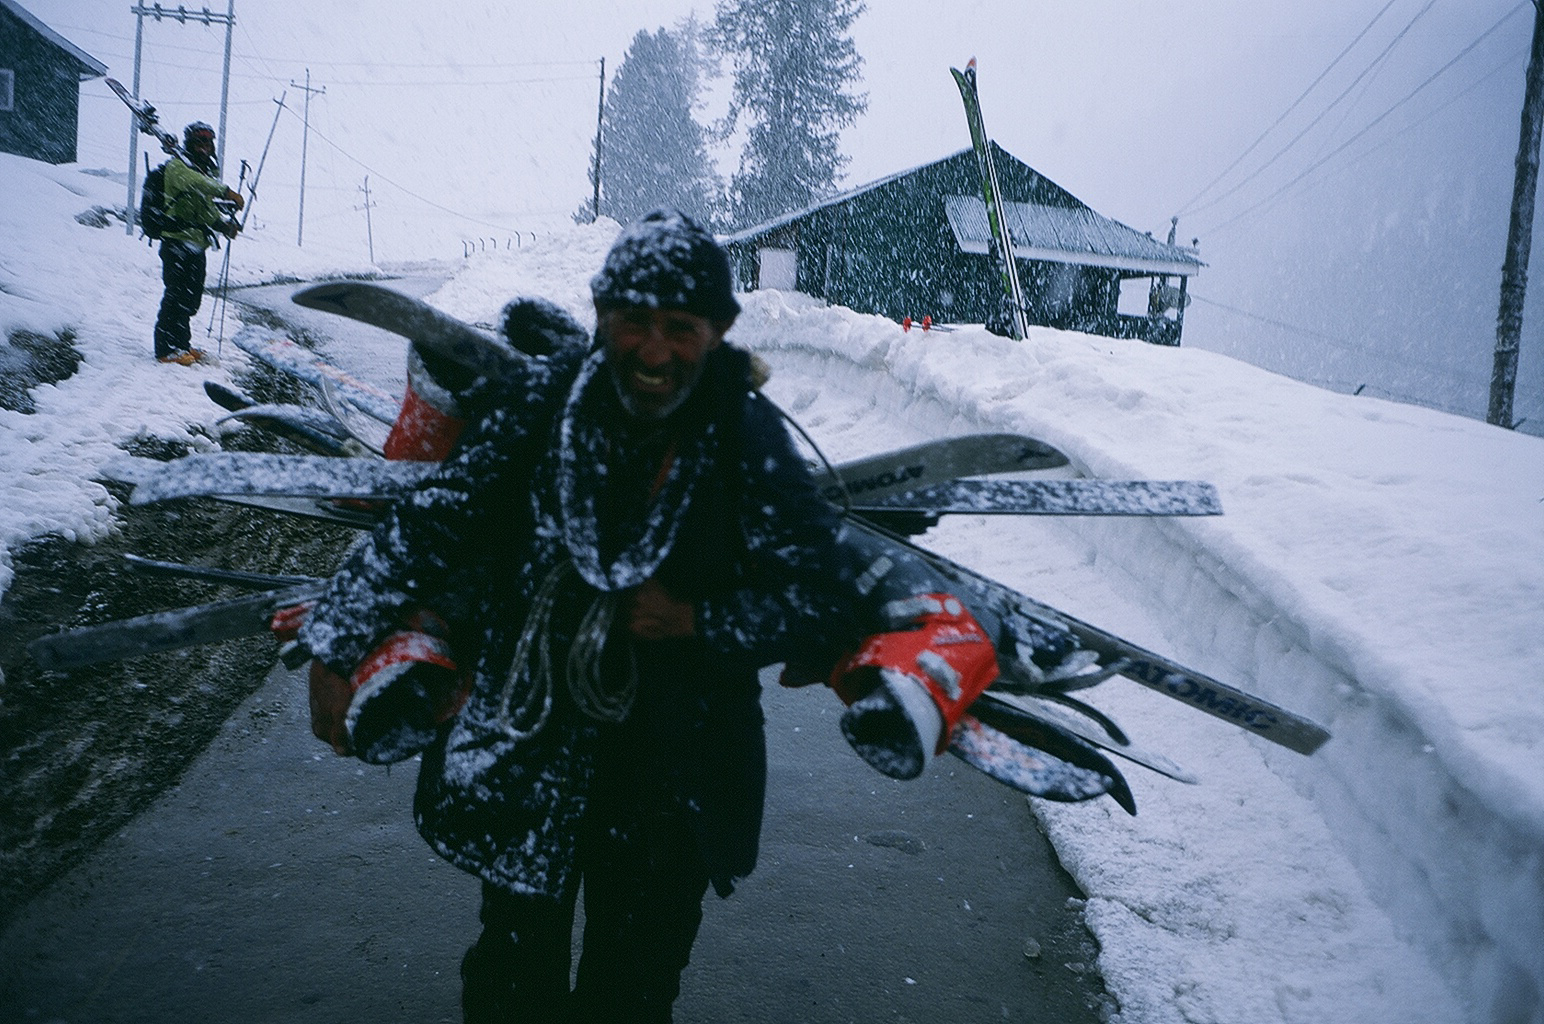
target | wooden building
x=916, y=244
x=40, y=76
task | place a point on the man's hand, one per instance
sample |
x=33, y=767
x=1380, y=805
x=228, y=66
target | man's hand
x=231, y=195
x=229, y=228
x=652, y=614
x=330, y=697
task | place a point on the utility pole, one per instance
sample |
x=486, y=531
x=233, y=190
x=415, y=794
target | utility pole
x=600, y=119
x=305, y=135
x=1514, y=271
x=369, y=231
x=180, y=14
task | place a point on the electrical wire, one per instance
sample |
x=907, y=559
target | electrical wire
x=1403, y=358
x=1186, y=206
x=1371, y=124
x=1351, y=162
x=1376, y=62
x=398, y=185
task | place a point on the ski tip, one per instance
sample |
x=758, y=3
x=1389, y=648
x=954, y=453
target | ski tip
x=330, y=297
x=1121, y=793
x=226, y=398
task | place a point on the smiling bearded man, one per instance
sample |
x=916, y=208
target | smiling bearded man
x=620, y=540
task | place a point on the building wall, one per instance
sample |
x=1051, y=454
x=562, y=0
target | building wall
x=890, y=251
x=42, y=121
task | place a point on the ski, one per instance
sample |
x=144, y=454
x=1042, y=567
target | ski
x=1054, y=497
x=313, y=430
x=371, y=439
x=213, y=574
x=166, y=630
x=225, y=474
x=145, y=118
x=300, y=362
x=1074, y=773
x=261, y=474
x=1027, y=720
x=878, y=477
x=1020, y=615
x=991, y=192
x=321, y=510
x=414, y=319
x=304, y=427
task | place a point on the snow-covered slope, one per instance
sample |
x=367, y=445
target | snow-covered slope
x=1380, y=568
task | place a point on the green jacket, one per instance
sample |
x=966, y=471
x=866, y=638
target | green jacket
x=188, y=199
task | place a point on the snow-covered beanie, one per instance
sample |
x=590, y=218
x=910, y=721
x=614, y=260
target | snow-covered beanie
x=666, y=260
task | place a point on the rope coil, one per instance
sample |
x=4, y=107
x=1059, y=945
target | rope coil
x=584, y=673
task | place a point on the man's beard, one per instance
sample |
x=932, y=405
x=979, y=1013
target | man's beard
x=618, y=369
x=634, y=408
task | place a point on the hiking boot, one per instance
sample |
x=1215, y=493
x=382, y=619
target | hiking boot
x=187, y=357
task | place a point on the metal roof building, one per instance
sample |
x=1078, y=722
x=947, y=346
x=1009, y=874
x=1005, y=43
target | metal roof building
x=916, y=244
x=40, y=76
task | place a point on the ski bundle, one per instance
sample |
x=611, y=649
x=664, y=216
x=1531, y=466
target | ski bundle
x=1005, y=706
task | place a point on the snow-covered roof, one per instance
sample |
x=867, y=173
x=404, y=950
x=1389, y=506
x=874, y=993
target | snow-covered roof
x=788, y=218
x=1067, y=235
x=1059, y=234
x=90, y=66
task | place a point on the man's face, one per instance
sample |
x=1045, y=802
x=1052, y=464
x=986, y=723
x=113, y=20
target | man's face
x=201, y=144
x=656, y=355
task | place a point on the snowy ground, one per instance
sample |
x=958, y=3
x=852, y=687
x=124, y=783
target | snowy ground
x=1380, y=568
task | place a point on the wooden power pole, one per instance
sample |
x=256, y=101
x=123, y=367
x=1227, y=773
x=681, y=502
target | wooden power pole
x=1514, y=270
x=600, y=121
x=305, y=137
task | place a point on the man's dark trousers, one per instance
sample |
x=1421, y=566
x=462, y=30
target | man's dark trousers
x=183, y=266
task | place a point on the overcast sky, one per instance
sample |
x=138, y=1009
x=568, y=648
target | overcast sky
x=1358, y=243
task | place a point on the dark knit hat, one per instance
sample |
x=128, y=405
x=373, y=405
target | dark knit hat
x=666, y=260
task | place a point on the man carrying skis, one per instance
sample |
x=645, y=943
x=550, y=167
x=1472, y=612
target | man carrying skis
x=618, y=544
x=191, y=184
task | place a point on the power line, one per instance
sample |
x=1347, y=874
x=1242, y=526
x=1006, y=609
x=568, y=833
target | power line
x=1186, y=207
x=1371, y=124
x=1403, y=358
x=400, y=187
x=1422, y=119
x=438, y=65
x=1376, y=61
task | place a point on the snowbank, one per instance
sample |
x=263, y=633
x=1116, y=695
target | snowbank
x=1380, y=568
x=68, y=268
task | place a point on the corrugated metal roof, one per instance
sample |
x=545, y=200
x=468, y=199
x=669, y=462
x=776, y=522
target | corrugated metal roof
x=767, y=227
x=90, y=66
x=1064, y=235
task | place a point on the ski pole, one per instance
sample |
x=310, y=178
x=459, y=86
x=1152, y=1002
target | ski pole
x=225, y=279
x=242, y=224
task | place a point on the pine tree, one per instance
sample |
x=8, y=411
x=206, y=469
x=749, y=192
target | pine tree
x=653, y=150
x=794, y=69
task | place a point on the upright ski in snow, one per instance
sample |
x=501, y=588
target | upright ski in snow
x=991, y=192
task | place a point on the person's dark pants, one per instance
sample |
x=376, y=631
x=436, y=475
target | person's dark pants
x=643, y=892
x=183, y=266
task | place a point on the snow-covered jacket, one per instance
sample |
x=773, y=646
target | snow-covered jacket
x=543, y=509
x=189, y=195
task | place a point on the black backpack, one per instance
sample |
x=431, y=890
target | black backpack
x=154, y=221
